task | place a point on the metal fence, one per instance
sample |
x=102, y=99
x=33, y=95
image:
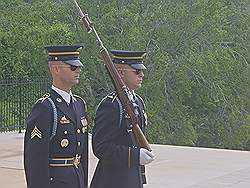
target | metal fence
x=17, y=97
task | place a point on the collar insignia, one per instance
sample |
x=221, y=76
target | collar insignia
x=59, y=100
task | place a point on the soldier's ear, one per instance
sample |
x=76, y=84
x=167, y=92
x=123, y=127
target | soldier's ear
x=52, y=65
x=54, y=69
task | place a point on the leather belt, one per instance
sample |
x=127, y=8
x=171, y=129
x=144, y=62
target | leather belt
x=71, y=161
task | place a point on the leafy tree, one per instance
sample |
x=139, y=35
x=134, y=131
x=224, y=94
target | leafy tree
x=196, y=81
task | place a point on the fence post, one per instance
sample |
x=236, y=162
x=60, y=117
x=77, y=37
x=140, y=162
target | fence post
x=20, y=104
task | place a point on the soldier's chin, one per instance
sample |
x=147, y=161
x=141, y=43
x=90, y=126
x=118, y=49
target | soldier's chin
x=76, y=81
x=138, y=85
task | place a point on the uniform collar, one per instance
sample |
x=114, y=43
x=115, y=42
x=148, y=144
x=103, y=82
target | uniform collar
x=66, y=96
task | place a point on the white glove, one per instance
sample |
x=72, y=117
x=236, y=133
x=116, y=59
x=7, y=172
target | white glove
x=146, y=156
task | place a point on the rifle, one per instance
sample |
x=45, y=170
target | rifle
x=121, y=89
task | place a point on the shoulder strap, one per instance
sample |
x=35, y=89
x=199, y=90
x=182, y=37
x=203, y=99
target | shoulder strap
x=84, y=103
x=114, y=97
x=129, y=127
x=53, y=132
x=55, y=116
x=43, y=98
x=120, y=111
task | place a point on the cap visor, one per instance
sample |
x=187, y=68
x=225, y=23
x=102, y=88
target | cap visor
x=138, y=66
x=77, y=63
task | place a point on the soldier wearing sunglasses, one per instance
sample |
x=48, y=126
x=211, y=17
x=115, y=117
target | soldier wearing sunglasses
x=55, y=146
x=121, y=161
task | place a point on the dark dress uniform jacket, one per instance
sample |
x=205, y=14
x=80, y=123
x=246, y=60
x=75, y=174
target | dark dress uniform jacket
x=68, y=141
x=118, y=165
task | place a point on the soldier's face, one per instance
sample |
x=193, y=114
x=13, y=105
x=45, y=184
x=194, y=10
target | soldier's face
x=67, y=74
x=70, y=75
x=132, y=77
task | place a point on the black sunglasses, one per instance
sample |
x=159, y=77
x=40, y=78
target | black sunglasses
x=73, y=67
x=137, y=71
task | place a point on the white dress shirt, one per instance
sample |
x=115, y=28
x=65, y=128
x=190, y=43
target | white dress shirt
x=66, y=96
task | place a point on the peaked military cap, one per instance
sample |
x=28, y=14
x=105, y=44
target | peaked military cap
x=67, y=53
x=132, y=58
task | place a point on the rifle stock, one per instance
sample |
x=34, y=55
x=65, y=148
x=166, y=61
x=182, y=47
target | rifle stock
x=119, y=85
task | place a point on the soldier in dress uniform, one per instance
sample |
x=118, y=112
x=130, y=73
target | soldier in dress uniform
x=56, y=144
x=121, y=162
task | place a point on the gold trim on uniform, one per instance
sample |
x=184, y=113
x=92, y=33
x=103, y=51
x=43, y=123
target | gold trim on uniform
x=76, y=160
x=113, y=99
x=78, y=131
x=64, y=143
x=36, y=132
x=61, y=164
x=63, y=53
x=66, y=161
x=120, y=57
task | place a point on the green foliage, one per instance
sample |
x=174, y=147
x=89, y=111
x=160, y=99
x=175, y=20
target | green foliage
x=25, y=28
x=196, y=82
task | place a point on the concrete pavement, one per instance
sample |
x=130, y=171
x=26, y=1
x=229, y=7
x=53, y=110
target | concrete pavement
x=174, y=167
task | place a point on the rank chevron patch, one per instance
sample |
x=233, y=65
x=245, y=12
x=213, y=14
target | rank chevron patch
x=36, y=132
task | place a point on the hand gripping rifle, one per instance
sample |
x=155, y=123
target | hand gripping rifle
x=121, y=89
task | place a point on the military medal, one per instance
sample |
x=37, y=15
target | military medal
x=84, y=124
x=64, y=143
x=84, y=121
x=84, y=129
x=64, y=120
